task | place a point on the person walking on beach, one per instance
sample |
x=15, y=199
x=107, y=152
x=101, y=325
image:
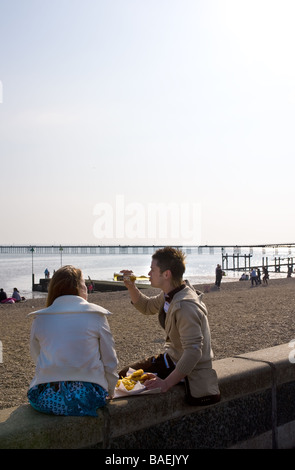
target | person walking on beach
x=265, y=276
x=218, y=276
x=183, y=315
x=253, y=276
x=73, y=349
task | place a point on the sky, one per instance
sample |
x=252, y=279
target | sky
x=147, y=122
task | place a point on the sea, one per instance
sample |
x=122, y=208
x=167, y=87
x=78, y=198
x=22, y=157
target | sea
x=16, y=269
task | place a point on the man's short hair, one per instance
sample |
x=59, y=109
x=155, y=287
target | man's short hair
x=172, y=259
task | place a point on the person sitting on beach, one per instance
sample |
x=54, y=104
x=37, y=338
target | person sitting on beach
x=183, y=315
x=3, y=295
x=73, y=349
x=244, y=277
x=90, y=287
x=16, y=295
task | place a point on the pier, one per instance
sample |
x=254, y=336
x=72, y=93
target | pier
x=238, y=264
x=84, y=249
x=231, y=257
x=129, y=249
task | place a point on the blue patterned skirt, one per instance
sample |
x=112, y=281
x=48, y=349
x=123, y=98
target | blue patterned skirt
x=67, y=398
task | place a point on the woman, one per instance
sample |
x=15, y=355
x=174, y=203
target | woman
x=73, y=349
x=16, y=295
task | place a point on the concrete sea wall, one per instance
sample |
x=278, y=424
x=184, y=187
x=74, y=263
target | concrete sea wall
x=257, y=410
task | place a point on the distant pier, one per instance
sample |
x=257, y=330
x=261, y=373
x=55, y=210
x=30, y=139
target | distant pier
x=231, y=257
x=243, y=263
x=128, y=249
x=84, y=249
x=230, y=262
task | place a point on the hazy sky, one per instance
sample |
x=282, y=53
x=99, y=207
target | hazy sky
x=114, y=110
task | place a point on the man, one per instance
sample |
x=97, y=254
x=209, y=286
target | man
x=183, y=315
x=3, y=295
x=253, y=277
x=218, y=276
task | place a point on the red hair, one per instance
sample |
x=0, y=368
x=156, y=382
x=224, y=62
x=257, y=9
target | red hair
x=65, y=281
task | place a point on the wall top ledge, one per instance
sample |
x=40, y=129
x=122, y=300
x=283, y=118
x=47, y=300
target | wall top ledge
x=23, y=427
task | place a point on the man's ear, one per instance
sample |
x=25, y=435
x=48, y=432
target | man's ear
x=167, y=274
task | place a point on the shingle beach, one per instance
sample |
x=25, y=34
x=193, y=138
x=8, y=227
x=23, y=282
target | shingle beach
x=242, y=319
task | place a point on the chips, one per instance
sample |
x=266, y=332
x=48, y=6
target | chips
x=130, y=380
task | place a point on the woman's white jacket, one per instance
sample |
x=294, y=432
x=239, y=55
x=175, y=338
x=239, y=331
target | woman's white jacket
x=71, y=340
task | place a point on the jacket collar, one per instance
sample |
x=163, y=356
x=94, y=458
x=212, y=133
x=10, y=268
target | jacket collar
x=190, y=294
x=170, y=295
x=71, y=304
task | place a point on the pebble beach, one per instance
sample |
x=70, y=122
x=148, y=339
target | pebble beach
x=242, y=319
